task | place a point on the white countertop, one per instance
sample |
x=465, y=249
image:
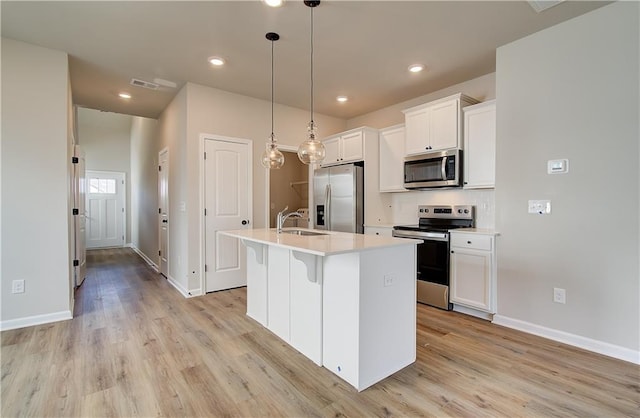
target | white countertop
x=480, y=231
x=323, y=245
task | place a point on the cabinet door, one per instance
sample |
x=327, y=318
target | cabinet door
x=480, y=146
x=391, y=169
x=443, y=125
x=471, y=278
x=417, y=131
x=352, y=147
x=332, y=151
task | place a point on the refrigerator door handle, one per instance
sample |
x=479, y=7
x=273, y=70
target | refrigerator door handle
x=327, y=209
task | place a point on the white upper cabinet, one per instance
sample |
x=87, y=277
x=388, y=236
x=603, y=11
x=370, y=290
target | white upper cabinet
x=392, y=159
x=344, y=148
x=480, y=145
x=436, y=125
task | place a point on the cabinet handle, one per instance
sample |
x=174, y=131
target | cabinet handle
x=468, y=242
x=451, y=251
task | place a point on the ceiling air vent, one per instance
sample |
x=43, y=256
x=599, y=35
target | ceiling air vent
x=540, y=5
x=144, y=84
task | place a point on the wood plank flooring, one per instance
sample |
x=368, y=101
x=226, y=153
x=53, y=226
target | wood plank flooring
x=137, y=348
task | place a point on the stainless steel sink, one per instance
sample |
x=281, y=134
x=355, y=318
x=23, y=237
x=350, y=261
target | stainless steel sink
x=302, y=232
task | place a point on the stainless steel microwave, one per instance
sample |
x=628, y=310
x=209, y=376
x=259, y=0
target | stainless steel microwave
x=437, y=169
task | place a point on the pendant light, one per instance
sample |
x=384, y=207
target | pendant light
x=312, y=150
x=272, y=158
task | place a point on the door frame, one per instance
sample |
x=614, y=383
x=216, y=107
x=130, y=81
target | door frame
x=164, y=150
x=201, y=197
x=267, y=188
x=124, y=202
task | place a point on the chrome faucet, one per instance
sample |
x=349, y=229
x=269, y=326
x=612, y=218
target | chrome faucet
x=281, y=218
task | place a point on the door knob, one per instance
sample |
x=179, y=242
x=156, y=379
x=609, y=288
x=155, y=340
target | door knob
x=164, y=221
x=244, y=222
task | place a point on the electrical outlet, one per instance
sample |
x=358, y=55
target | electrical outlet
x=559, y=295
x=388, y=280
x=17, y=286
x=541, y=207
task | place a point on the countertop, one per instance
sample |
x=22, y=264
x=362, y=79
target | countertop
x=322, y=245
x=480, y=231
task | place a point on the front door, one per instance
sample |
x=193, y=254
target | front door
x=105, y=209
x=163, y=211
x=228, y=191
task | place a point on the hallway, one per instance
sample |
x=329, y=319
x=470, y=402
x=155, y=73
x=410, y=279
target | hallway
x=136, y=347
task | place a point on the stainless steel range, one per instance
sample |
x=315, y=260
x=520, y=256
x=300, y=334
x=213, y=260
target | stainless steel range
x=434, y=223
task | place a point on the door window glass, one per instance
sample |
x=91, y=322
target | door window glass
x=102, y=186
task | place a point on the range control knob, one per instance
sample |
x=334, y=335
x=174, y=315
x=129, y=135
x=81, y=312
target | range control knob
x=466, y=211
x=459, y=210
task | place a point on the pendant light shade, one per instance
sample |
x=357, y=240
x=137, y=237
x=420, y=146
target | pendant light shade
x=312, y=150
x=272, y=158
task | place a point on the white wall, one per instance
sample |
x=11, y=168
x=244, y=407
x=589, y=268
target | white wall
x=35, y=184
x=404, y=205
x=172, y=132
x=197, y=110
x=144, y=186
x=105, y=138
x=571, y=91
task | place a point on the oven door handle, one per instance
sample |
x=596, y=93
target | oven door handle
x=427, y=236
x=443, y=168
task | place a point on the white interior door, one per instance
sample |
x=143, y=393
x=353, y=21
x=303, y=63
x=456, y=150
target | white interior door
x=105, y=209
x=228, y=191
x=163, y=211
x=79, y=223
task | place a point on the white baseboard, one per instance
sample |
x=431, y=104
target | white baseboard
x=195, y=292
x=600, y=347
x=144, y=257
x=35, y=320
x=173, y=282
x=473, y=312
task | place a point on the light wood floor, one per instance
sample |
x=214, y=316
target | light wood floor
x=137, y=348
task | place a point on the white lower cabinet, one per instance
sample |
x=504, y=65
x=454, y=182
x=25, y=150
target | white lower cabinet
x=473, y=271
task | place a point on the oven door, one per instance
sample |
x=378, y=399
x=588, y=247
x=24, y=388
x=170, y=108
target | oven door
x=432, y=267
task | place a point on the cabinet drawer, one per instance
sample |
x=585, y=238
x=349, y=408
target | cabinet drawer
x=477, y=242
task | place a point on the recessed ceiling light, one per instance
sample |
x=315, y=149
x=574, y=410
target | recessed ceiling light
x=217, y=61
x=342, y=99
x=273, y=3
x=124, y=95
x=416, y=68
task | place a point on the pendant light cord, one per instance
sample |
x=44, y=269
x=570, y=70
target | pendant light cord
x=272, y=135
x=312, y=66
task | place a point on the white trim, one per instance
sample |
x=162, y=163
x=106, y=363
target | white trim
x=473, y=312
x=611, y=350
x=184, y=292
x=145, y=258
x=201, y=197
x=35, y=320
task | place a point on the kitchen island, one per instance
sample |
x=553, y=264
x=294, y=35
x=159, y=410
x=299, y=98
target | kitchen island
x=346, y=301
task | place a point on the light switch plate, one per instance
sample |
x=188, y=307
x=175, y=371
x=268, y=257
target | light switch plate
x=540, y=207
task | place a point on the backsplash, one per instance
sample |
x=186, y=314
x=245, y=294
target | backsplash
x=405, y=205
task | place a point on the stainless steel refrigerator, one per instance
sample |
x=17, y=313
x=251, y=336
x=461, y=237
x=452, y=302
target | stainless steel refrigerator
x=338, y=198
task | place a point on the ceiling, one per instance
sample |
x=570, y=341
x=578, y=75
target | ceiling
x=361, y=48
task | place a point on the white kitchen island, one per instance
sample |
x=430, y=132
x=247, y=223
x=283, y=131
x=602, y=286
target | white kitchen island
x=346, y=301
